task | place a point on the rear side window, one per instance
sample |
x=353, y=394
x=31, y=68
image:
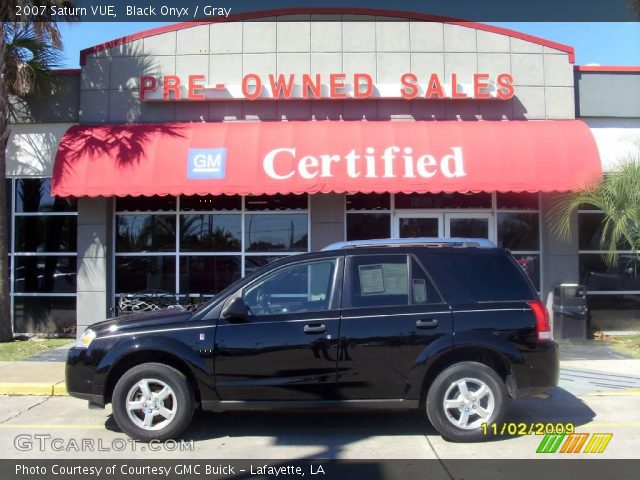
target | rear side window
x=387, y=281
x=479, y=277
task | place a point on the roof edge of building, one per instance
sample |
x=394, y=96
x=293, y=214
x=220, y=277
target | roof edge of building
x=335, y=10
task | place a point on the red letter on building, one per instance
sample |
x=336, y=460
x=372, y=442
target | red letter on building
x=454, y=88
x=147, y=84
x=409, y=88
x=193, y=86
x=281, y=86
x=245, y=86
x=434, y=87
x=336, y=81
x=308, y=84
x=171, y=84
x=480, y=82
x=357, y=93
x=506, y=90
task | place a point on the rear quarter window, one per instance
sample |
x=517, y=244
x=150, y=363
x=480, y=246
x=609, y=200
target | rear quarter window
x=469, y=277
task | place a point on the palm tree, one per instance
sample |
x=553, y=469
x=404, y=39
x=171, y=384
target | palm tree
x=29, y=50
x=617, y=195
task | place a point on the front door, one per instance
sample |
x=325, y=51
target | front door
x=286, y=349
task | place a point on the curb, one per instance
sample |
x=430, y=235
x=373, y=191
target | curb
x=615, y=393
x=41, y=389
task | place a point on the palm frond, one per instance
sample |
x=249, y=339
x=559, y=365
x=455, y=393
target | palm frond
x=29, y=62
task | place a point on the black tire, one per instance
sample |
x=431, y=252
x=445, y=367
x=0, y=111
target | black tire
x=447, y=381
x=181, y=391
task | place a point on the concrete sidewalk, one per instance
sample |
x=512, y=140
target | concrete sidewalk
x=32, y=378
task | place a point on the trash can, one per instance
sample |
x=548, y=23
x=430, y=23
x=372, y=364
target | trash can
x=570, y=311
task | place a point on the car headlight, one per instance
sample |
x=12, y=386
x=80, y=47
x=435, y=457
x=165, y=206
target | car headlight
x=86, y=338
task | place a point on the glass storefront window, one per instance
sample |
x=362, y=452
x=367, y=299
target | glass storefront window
x=43, y=257
x=276, y=202
x=369, y=201
x=443, y=200
x=150, y=272
x=275, y=233
x=254, y=262
x=34, y=195
x=366, y=226
x=598, y=276
x=210, y=233
x=531, y=266
x=45, y=314
x=519, y=231
x=9, y=192
x=146, y=204
x=43, y=233
x=208, y=274
x=207, y=203
x=45, y=274
x=145, y=233
x=195, y=253
x=517, y=201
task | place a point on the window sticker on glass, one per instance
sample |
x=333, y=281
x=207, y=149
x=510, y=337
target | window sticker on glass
x=395, y=277
x=419, y=290
x=371, y=279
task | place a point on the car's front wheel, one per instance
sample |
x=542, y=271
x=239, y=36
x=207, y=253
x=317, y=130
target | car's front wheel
x=153, y=401
x=462, y=398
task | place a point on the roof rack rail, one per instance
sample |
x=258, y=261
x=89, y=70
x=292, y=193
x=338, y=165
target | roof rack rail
x=418, y=241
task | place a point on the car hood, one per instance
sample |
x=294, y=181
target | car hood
x=143, y=320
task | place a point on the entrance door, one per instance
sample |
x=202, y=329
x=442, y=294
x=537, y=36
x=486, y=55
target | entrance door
x=409, y=225
x=468, y=225
x=456, y=224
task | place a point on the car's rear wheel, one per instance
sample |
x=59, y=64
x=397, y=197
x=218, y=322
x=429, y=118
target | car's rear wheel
x=462, y=398
x=153, y=401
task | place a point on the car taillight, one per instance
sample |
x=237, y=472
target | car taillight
x=543, y=324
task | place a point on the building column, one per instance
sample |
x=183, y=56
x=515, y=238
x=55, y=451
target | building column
x=326, y=215
x=559, y=257
x=93, y=253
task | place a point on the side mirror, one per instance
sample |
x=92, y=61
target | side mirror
x=236, y=311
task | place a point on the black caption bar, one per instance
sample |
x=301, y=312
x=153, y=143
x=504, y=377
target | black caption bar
x=318, y=469
x=202, y=10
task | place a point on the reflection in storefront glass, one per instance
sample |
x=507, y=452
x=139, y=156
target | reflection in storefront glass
x=146, y=233
x=46, y=234
x=45, y=314
x=598, y=276
x=210, y=233
x=273, y=233
x=366, y=226
x=34, y=195
x=208, y=274
x=50, y=274
x=136, y=274
x=518, y=231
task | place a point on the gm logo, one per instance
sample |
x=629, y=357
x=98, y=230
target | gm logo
x=207, y=163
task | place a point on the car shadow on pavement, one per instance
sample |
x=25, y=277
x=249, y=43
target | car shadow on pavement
x=333, y=429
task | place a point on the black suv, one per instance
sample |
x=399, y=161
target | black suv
x=453, y=327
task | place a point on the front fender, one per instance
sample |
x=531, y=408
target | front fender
x=163, y=345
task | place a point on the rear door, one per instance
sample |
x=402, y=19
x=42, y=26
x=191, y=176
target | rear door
x=392, y=312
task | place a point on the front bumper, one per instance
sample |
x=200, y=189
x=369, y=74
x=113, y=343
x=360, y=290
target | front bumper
x=80, y=377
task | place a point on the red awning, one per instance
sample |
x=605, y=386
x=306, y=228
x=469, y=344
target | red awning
x=325, y=156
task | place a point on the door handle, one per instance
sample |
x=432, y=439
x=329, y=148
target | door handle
x=427, y=323
x=315, y=328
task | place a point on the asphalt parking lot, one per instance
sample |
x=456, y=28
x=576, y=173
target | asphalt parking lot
x=55, y=423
